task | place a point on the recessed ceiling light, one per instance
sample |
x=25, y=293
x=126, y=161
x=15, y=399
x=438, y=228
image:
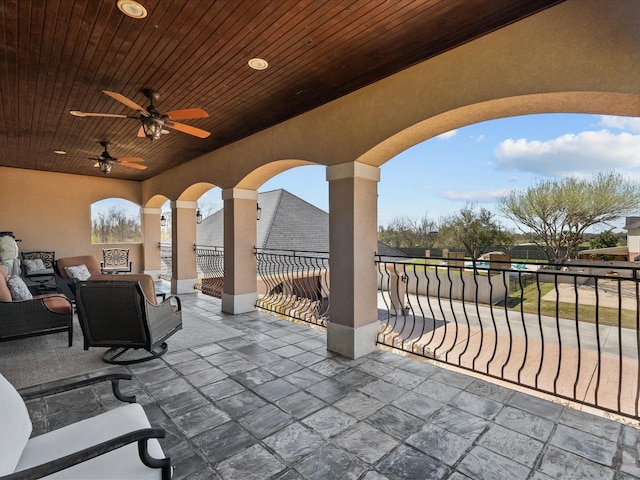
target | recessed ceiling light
x=59, y=152
x=258, y=63
x=132, y=8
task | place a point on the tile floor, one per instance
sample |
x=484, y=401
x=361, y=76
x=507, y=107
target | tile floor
x=273, y=403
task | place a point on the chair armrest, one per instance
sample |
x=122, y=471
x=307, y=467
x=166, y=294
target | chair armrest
x=30, y=393
x=171, y=302
x=178, y=303
x=141, y=436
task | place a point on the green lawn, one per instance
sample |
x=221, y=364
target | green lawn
x=586, y=313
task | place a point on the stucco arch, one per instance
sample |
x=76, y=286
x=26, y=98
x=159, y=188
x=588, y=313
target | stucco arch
x=195, y=191
x=155, y=202
x=260, y=175
x=561, y=102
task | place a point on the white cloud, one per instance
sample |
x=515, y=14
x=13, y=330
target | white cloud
x=481, y=196
x=577, y=155
x=621, y=123
x=447, y=135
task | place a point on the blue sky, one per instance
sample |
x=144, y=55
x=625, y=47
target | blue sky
x=481, y=162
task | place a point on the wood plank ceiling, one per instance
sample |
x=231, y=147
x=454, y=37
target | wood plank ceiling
x=58, y=55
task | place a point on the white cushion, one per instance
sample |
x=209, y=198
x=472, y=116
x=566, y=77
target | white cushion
x=79, y=272
x=123, y=463
x=15, y=427
x=34, y=265
x=18, y=289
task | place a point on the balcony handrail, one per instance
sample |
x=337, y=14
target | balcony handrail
x=559, y=330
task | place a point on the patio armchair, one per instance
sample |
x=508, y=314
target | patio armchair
x=69, y=270
x=33, y=315
x=117, y=444
x=121, y=312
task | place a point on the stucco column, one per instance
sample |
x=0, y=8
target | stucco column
x=240, y=290
x=151, y=238
x=183, y=238
x=353, y=217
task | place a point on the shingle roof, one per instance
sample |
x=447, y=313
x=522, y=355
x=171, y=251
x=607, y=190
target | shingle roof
x=286, y=222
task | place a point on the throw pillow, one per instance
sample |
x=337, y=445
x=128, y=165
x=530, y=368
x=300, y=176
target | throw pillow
x=34, y=265
x=79, y=272
x=18, y=289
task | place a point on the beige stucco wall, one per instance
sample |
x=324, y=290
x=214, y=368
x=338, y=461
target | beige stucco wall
x=52, y=211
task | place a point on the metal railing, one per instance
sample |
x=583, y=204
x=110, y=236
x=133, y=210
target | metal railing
x=571, y=332
x=294, y=284
x=210, y=269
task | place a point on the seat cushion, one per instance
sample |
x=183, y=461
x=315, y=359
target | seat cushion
x=123, y=463
x=16, y=427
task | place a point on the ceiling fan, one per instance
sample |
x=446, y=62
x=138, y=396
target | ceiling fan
x=153, y=122
x=105, y=161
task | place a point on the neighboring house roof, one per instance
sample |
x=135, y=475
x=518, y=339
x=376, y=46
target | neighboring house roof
x=286, y=222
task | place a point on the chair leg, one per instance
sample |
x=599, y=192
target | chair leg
x=71, y=335
x=112, y=355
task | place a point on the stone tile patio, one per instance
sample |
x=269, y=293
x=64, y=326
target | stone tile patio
x=275, y=404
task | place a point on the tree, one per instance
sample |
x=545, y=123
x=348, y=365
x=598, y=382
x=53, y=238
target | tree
x=115, y=226
x=604, y=240
x=557, y=212
x=406, y=232
x=477, y=232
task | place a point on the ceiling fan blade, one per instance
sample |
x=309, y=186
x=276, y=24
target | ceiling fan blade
x=129, y=103
x=187, y=113
x=132, y=165
x=77, y=113
x=131, y=159
x=181, y=127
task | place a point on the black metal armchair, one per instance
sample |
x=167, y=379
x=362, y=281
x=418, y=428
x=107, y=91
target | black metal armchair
x=117, y=314
x=38, y=269
x=115, y=260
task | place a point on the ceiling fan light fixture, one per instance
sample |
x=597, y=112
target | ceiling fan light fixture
x=105, y=166
x=152, y=127
x=60, y=152
x=132, y=9
x=258, y=63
